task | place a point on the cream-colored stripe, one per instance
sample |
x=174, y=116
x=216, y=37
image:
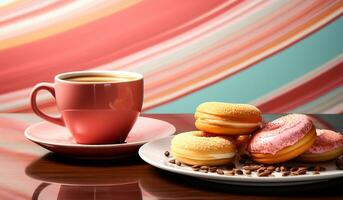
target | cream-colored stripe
x=5, y=3
x=25, y=10
x=23, y=102
x=9, y=33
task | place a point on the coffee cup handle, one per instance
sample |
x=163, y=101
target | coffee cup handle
x=39, y=189
x=50, y=88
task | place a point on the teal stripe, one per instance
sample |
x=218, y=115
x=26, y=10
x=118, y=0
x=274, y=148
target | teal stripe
x=269, y=74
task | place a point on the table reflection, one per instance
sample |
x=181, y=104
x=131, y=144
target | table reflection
x=67, y=178
x=64, y=178
x=124, y=191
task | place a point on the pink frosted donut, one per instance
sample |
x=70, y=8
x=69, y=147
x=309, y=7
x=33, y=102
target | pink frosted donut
x=328, y=146
x=327, y=140
x=270, y=144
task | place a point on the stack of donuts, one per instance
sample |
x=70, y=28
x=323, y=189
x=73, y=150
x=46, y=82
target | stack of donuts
x=226, y=130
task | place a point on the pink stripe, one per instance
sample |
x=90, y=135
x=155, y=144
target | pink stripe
x=6, y=193
x=8, y=123
x=227, y=8
x=16, y=95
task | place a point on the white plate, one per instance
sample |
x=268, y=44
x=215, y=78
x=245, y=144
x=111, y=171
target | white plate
x=153, y=153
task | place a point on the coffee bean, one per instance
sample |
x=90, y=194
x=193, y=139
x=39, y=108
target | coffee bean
x=318, y=168
x=286, y=173
x=248, y=167
x=166, y=153
x=213, y=169
x=196, y=166
x=302, y=171
x=251, y=167
x=220, y=171
x=271, y=168
x=238, y=171
x=294, y=173
x=178, y=163
x=172, y=161
x=230, y=173
x=315, y=172
x=293, y=169
x=247, y=172
x=264, y=173
x=277, y=169
x=204, y=170
x=204, y=167
x=283, y=168
x=303, y=167
x=261, y=169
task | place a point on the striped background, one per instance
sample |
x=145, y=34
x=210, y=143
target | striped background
x=281, y=55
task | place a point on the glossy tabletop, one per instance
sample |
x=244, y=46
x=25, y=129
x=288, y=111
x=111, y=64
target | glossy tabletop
x=27, y=171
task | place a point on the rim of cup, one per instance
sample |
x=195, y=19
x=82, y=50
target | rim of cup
x=61, y=77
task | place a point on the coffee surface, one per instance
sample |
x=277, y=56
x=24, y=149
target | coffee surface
x=100, y=79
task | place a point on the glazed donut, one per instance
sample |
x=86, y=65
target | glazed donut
x=227, y=118
x=200, y=148
x=328, y=146
x=282, y=139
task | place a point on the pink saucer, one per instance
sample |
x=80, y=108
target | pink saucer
x=59, y=140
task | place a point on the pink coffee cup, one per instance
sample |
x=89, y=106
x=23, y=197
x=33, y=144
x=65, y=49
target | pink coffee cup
x=98, y=107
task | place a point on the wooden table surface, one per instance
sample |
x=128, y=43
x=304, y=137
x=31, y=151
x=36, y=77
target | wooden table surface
x=27, y=171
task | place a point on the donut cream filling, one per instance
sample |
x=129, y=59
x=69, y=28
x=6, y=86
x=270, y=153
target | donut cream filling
x=222, y=155
x=205, y=156
x=230, y=123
